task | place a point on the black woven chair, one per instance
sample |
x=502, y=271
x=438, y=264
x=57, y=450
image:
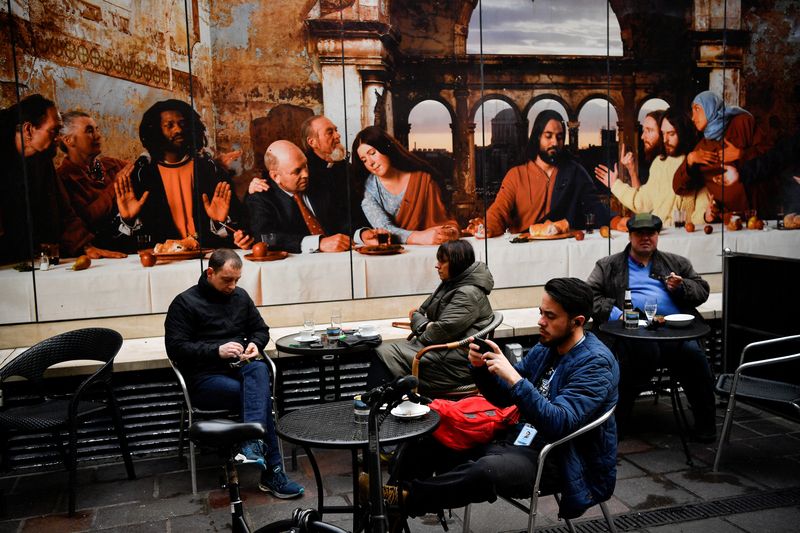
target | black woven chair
x=64, y=414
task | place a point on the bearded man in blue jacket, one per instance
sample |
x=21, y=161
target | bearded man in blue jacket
x=565, y=382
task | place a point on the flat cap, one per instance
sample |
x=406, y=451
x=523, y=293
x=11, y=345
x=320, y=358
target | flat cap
x=642, y=221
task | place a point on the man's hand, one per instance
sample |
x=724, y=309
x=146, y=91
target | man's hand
x=673, y=281
x=498, y=365
x=476, y=356
x=229, y=157
x=335, y=243
x=127, y=204
x=476, y=227
x=92, y=252
x=257, y=185
x=730, y=153
x=626, y=158
x=217, y=208
x=242, y=240
x=703, y=157
x=712, y=210
x=230, y=350
x=605, y=176
x=250, y=352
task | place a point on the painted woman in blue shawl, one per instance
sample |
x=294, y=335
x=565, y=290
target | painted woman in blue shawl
x=730, y=136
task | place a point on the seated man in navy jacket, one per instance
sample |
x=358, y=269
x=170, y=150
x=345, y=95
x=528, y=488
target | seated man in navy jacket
x=565, y=382
x=297, y=224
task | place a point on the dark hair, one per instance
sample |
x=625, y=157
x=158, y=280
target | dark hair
x=222, y=256
x=150, y=128
x=398, y=154
x=31, y=109
x=573, y=294
x=459, y=254
x=539, y=124
x=682, y=122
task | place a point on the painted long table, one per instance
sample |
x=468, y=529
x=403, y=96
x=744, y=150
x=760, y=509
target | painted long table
x=117, y=287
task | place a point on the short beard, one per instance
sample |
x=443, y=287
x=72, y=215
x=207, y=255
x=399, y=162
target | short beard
x=550, y=159
x=651, y=153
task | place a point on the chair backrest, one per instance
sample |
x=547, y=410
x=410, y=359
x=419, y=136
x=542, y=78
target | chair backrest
x=93, y=344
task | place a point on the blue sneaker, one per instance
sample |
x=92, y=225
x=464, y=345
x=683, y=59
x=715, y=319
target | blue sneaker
x=275, y=481
x=252, y=452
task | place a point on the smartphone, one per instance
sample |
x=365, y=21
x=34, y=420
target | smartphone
x=483, y=345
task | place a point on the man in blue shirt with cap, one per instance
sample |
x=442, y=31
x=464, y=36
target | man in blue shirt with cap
x=669, y=280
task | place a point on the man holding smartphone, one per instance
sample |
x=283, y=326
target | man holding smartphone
x=211, y=332
x=564, y=382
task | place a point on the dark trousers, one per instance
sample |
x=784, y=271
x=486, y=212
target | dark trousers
x=245, y=390
x=473, y=476
x=686, y=360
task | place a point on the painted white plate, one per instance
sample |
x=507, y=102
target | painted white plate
x=404, y=410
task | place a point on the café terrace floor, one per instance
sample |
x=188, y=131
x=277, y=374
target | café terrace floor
x=756, y=490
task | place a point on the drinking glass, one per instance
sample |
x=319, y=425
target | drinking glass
x=335, y=329
x=650, y=308
x=308, y=324
x=144, y=242
x=589, y=222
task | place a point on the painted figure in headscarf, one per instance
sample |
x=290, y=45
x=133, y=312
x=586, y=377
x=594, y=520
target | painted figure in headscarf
x=729, y=137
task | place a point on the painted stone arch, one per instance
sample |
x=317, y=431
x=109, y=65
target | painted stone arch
x=429, y=120
x=509, y=27
x=596, y=113
x=651, y=103
x=547, y=102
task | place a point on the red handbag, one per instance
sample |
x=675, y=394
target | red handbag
x=471, y=421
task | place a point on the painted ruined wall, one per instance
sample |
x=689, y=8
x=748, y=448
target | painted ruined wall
x=110, y=59
x=771, y=73
x=261, y=60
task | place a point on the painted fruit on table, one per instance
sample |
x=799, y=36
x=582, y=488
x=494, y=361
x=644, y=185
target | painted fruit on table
x=604, y=231
x=579, y=235
x=147, y=259
x=260, y=249
x=689, y=227
x=82, y=263
x=708, y=229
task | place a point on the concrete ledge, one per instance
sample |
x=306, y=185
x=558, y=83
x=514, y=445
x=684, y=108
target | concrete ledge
x=149, y=353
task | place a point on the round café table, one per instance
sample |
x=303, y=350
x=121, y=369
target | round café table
x=332, y=425
x=697, y=329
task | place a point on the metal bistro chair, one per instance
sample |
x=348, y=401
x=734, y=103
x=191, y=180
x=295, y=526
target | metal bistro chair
x=55, y=415
x=190, y=414
x=463, y=390
x=755, y=388
x=532, y=509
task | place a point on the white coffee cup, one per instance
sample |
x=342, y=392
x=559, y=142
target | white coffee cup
x=367, y=330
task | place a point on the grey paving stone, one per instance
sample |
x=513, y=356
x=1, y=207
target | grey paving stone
x=709, y=485
x=32, y=503
x=715, y=525
x=783, y=520
x=112, y=493
x=770, y=426
x=217, y=521
x=661, y=461
x=148, y=511
x=651, y=493
x=149, y=527
x=627, y=470
x=776, y=473
x=142, y=467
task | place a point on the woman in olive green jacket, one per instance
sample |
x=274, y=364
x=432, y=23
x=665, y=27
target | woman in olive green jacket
x=459, y=307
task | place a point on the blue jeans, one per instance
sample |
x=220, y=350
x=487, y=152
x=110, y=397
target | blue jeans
x=245, y=390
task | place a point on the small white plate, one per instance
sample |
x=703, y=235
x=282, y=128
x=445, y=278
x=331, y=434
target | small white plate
x=368, y=336
x=420, y=410
x=307, y=339
x=680, y=320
